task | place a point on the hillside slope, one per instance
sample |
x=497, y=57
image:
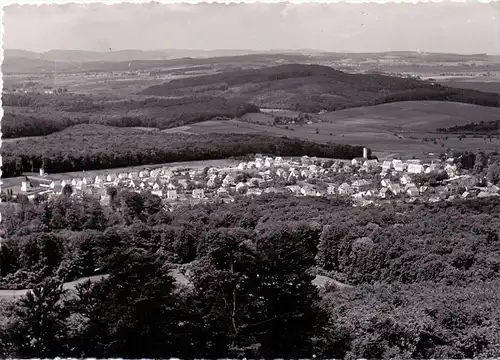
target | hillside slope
x=311, y=88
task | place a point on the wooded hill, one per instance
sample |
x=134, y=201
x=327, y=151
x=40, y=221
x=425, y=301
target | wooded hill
x=93, y=147
x=312, y=88
x=35, y=115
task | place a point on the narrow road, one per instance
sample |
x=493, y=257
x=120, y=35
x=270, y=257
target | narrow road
x=12, y=294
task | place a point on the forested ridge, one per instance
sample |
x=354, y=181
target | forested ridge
x=424, y=278
x=312, y=88
x=36, y=115
x=93, y=147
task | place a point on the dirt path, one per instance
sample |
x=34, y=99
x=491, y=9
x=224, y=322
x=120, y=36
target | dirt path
x=12, y=294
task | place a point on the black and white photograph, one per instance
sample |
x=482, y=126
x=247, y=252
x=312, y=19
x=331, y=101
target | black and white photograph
x=250, y=180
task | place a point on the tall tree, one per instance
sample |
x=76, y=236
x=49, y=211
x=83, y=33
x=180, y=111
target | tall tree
x=133, y=312
x=291, y=317
x=38, y=322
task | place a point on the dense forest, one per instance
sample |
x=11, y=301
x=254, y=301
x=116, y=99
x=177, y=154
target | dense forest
x=312, y=88
x=414, y=280
x=480, y=128
x=36, y=115
x=93, y=147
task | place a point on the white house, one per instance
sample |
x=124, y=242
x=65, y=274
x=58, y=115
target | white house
x=398, y=165
x=305, y=160
x=292, y=175
x=53, y=184
x=370, y=164
x=362, y=184
x=357, y=161
x=308, y=190
x=281, y=172
x=222, y=192
x=122, y=176
x=99, y=180
x=331, y=189
x=384, y=192
x=405, y=179
x=155, y=173
x=295, y=189
x=25, y=185
x=387, y=165
x=228, y=180
x=157, y=192
x=241, y=186
x=172, y=194
x=395, y=188
x=198, y=193
x=313, y=169
x=157, y=185
x=385, y=182
x=451, y=170
x=412, y=191
x=133, y=175
x=345, y=189
x=110, y=177
x=87, y=181
x=268, y=162
x=242, y=166
x=254, y=192
x=415, y=168
x=432, y=168
x=144, y=173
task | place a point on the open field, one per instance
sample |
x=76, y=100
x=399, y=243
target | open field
x=392, y=128
x=410, y=116
x=484, y=84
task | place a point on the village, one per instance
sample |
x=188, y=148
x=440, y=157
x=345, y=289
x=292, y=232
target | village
x=366, y=181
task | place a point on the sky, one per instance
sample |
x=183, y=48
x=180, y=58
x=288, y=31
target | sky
x=451, y=27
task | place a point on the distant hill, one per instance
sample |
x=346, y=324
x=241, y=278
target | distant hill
x=15, y=61
x=312, y=88
x=134, y=54
x=19, y=65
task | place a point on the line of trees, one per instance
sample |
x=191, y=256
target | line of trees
x=482, y=127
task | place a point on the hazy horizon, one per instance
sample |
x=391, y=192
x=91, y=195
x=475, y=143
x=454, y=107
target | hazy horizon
x=461, y=28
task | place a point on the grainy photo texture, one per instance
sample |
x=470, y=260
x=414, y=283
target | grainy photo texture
x=264, y=180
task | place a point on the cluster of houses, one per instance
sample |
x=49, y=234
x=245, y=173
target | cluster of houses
x=365, y=180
